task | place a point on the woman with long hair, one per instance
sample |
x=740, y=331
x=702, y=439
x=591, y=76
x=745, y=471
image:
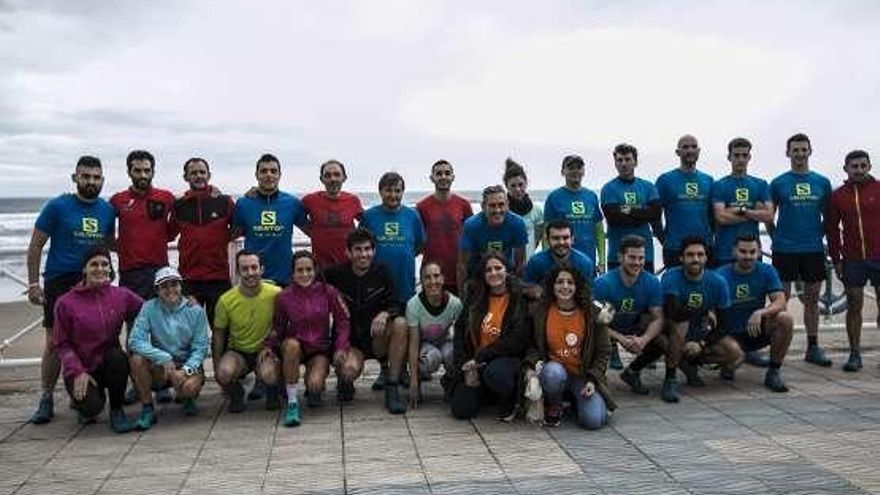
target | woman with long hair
x=571, y=350
x=490, y=341
x=310, y=327
x=88, y=320
x=517, y=183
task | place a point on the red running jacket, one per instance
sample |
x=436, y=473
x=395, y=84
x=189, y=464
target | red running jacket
x=852, y=223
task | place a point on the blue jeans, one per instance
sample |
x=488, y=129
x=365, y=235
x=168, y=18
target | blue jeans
x=592, y=413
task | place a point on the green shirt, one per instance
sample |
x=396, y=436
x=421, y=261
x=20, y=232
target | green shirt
x=247, y=319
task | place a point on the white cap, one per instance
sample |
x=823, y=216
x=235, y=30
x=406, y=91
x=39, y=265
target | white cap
x=167, y=273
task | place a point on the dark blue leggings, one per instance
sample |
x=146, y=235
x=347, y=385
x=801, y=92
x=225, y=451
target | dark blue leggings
x=499, y=378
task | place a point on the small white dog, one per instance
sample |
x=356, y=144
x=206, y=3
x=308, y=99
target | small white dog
x=534, y=396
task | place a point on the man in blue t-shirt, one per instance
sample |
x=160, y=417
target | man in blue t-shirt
x=685, y=194
x=638, y=316
x=75, y=223
x=631, y=206
x=399, y=235
x=580, y=207
x=740, y=201
x=801, y=196
x=693, y=298
x=266, y=219
x=495, y=228
x=750, y=320
x=540, y=265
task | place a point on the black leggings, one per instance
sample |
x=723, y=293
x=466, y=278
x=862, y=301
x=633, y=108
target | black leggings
x=111, y=374
x=499, y=378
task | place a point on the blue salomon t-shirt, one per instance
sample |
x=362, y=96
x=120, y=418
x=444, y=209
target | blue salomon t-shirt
x=399, y=234
x=478, y=237
x=581, y=209
x=686, y=199
x=542, y=263
x=800, y=200
x=73, y=226
x=629, y=302
x=737, y=191
x=267, y=225
x=637, y=193
x=700, y=296
x=748, y=292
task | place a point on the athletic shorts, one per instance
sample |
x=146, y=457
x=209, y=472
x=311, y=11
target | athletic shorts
x=636, y=329
x=55, y=288
x=857, y=273
x=808, y=267
x=250, y=360
x=140, y=281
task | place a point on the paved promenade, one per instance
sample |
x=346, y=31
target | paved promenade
x=738, y=438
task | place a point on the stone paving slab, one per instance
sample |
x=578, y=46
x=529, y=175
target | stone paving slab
x=727, y=438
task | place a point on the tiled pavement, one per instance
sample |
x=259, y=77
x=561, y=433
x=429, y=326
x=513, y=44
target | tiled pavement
x=821, y=437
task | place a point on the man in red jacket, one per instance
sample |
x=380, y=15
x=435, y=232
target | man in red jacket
x=852, y=226
x=203, y=218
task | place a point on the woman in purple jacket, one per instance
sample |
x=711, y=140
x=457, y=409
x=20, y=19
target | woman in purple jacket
x=311, y=327
x=88, y=320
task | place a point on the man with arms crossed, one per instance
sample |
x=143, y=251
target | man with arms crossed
x=167, y=345
x=75, y=223
x=853, y=229
x=244, y=316
x=378, y=324
x=752, y=322
x=443, y=215
x=800, y=196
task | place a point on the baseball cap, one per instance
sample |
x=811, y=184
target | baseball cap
x=167, y=273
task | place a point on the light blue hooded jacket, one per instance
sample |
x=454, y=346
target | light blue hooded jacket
x=161, y=334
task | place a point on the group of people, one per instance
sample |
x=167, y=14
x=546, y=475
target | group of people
x=512, y=289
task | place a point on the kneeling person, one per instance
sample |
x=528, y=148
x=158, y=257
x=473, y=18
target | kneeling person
x=168, y=343
x=244, y=312
x=638, y=310
x=378, y=327
x=752, y=322
x=310, y=327
x=693, y=299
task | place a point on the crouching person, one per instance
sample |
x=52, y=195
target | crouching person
x=168, y=343
x=571, y=351
x=490, y=341
x=88, y=320
x=310, y=327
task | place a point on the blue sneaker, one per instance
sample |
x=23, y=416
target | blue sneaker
x=816, y=355
x=669, y=392
x=773, y=381
x=381, y=380
x=614, y=361
x=345, y=390
x=757, y=358
x=45, y=409
x=145, y=419
x=189, y=407
x=292, y=415
x=258, y=391
x=854, y=363
x=119, y=422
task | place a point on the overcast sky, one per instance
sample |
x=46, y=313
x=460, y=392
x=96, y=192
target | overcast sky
x=395, y=85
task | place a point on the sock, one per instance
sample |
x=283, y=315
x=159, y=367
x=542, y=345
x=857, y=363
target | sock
x=775, y=365
x=812, y=340
x=670, y=373
x=293, y=393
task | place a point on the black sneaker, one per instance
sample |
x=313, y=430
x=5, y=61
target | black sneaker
x=273, y=398
x=345, y=390
x=236, y=398
x=448, y=387
x=164, y=396
x=757, y=358
x=669, y=392
x=854, y=363
x=691, y=373
x=45, y=409
x=393, y=402
x=258, y=391
x=816, y=355
x=634, y=380
x=314, y=399
x=773, y=381
x=382, y=379
x=727, y=374
x=403, y=379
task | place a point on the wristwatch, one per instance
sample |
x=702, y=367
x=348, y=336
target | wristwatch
x=189, y=370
